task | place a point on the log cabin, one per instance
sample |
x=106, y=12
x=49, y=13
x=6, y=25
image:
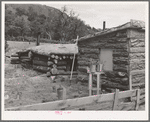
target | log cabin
x=44, y=57
x=121, y=50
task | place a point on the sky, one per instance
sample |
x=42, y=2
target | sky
x=114, y=13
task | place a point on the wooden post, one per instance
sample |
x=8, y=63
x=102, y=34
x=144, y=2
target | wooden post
x=98, y=81
x=137, y=99
x=90, y=84
x=115, y=105
x=130, y=84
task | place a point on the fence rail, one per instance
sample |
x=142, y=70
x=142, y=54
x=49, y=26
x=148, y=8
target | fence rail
x=100, y=102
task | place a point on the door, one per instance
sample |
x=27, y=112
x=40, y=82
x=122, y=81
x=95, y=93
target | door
x=106, y=57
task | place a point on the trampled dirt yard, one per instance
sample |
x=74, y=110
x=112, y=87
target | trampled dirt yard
x=27, y=86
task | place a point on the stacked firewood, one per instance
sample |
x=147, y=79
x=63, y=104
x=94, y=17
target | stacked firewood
x=47, y=63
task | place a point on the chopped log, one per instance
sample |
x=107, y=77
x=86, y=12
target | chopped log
x=40, y=63
x=49, y=58
x=64, y=57
x=48, y=74
x=137, y=55
x=56, y=57
x=40, y=68
x=137, y=49
x=55, y=61
x=53, y=56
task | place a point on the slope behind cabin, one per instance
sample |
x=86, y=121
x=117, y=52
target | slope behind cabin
x=122, y=51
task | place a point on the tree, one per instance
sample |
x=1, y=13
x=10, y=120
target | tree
x=23, y=25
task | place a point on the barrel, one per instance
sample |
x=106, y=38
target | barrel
x=60, y=93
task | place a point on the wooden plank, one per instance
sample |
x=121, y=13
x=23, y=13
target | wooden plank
x=115, y=105
x=90, y=84
x=98, y=83
x=138, y=100
x=58, y=105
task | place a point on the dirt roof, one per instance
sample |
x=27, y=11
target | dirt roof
x=48, y=49
x=132, y=24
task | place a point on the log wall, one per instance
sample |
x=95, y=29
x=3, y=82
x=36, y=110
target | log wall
x=118, y=42
x=137, y=60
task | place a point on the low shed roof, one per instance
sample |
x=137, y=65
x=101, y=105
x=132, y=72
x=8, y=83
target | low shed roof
x=48, y=49
x=132, y=24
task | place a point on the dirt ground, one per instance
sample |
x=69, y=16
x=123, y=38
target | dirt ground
x=26, y=86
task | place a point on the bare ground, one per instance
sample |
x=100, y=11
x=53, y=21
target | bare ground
x=26, y=86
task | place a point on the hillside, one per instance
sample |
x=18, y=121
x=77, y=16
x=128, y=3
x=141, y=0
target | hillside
x=30, y=20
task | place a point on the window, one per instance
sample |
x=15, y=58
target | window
x=106, y=57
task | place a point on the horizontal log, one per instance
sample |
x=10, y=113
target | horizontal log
x=61, y=72
x=140, y=78
x=120, y=54
x=136, y=34
x=40, y=68
x=24, y=57
x=88, y=51
x=41, y=58
x=137, y=55
x=137, y=49
x=116, y=61
x=120, y=68
x=120, y=50
x=137, y=60
x=94, y=56
x=15, y=62
x=49, y=63
x=61, y=63
x=117, y=40
x=137, y=66
x=14, y=55
x=136, y=72
x=82, y=69
x=61, y=67
x=116, y=45
x=138, y=84
x=138, y=44
x=39, y=63
x=123, y=81
x=83, y=63
x=114, y=85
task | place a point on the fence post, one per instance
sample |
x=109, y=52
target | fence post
x=137, y=99
x=90, y=84
x=115, y=105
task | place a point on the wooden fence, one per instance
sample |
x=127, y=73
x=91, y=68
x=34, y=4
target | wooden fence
x=111, y=101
